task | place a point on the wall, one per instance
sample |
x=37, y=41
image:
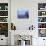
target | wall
x=32, y=5
x=21, y=24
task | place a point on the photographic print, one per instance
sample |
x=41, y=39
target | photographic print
x=42, y=32
x=22, y=13
x=41, y=13
x=41, y=25
x=41, y=19
x=4, y=29
x=41, y=6
x=3, y=19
